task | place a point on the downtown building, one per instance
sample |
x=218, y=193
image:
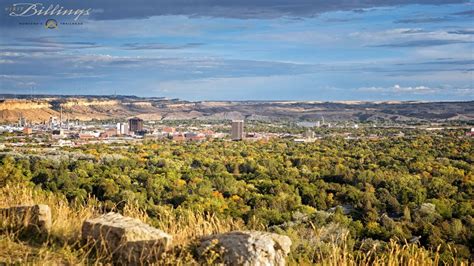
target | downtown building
x=237, y=132
x=135, y=125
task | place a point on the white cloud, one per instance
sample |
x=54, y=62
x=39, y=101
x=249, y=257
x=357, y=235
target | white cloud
x=407, y=35
x=418, y=90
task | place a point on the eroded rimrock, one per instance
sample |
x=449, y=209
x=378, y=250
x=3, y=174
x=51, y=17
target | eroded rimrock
x=128, y=240
x=247, y=248
x=32, y=219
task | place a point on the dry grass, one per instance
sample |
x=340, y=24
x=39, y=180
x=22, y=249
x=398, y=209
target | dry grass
x=186, y=225
x=60, y=247
x=337, y=253
x=408, y=254
x=64, y=245
x=66, y=218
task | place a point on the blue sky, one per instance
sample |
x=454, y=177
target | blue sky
x=245, y=50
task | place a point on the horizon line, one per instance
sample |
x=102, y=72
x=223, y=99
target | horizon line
x=25, y=96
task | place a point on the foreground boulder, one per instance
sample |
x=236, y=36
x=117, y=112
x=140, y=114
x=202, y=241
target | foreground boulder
x=247, y=248
x=128, y=240
x=30, y=219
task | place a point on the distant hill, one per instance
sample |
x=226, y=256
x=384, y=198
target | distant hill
x=86, y=108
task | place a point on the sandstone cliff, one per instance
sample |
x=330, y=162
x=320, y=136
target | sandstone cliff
x=86, y=108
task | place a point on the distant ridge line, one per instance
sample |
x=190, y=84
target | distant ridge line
x=111, y=96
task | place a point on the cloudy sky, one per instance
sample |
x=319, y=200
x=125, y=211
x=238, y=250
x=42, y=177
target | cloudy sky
x=244, y=49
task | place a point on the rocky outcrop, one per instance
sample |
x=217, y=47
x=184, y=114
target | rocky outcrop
x=127, y=239
x=249, y=248
x=30, y=219
x=84, y=102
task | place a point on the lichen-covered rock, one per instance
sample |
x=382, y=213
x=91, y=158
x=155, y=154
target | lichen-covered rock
x=248, y=248
x=128, y=240
x=32, y=219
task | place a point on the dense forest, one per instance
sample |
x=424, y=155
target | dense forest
x=417, y=188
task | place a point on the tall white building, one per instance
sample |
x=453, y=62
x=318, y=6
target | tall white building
x=237, y=130
x=309, y=134
x=122, y=129
x=53, y=122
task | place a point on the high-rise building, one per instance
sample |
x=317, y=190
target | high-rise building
x=122, y=129
x=309, y=134
x=135, y=125
x=237, y=130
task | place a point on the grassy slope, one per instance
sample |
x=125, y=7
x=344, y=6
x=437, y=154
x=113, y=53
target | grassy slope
x=64, y=246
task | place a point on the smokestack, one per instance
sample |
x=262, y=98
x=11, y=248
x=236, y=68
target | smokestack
x=61, y=118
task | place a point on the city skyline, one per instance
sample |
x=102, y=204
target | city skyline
x=246, y=50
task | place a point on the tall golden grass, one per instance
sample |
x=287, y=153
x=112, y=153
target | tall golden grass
x=64, y=246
